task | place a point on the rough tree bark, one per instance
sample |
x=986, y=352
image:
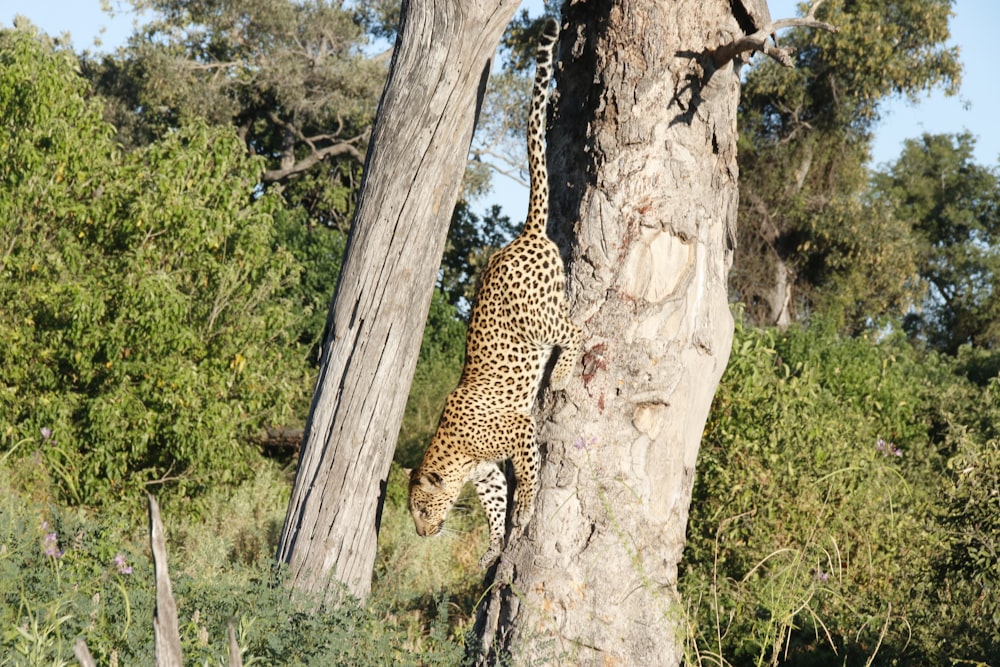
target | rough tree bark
x=644, y=193
x=415, y=163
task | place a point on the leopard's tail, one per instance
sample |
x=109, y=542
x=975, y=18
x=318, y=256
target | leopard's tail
x=538, y=204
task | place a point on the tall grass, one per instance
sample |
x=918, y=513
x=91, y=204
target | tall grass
x=67, y=573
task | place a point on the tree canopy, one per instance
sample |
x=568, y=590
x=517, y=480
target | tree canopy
x=808, y=238
x=952, y=207
x=294, y=79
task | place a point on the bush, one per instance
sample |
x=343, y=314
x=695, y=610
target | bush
x=815, y=532
x=141, y=305
x=968, y=609
x=319, y=250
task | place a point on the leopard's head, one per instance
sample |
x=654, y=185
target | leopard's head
x=431, y=498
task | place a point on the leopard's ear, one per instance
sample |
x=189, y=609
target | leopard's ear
x=408, y=472
x=430, y=482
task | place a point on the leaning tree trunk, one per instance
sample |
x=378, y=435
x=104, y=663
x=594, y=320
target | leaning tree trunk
x=643, y=176
x=414, y=169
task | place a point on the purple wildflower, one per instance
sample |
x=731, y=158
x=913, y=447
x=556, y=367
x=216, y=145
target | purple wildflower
x=51, y=544
x=821, y=575
x=582, y=443
x=122, y=565
x=887, y=448
x=46, y=433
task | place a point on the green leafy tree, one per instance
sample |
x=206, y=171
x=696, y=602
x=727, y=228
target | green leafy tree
x=970, y=567
x=140, y=302
x=807, y=237
x=319, y=250
x=292, y=77
x=952, y=206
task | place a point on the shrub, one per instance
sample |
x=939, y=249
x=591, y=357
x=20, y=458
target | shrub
x=968, y=597
x=815, y=530
x=141, y=304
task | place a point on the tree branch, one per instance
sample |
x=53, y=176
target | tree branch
x=513, y=173
x=758, y=41
x=346, y=147
x=384, y=56
x=211, y=66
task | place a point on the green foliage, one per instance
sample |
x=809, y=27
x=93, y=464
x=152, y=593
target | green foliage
x=141, y=306
x=379, y=17
x=971, y=567
x=815, y=533
x=952, y=206
x=319, y=250
x=809, y=239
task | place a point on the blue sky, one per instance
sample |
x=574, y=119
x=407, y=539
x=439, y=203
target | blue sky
x=973, y=29
x=83, y=19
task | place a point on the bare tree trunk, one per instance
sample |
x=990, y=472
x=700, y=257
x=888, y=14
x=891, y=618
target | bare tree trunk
x=644, y=183
x=166, y=629
x=414, y=169
x=780, y=296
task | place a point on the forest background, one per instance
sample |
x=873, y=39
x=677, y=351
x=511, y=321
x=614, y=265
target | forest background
x=185, y=227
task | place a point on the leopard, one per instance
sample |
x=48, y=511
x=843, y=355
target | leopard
x=519, y=321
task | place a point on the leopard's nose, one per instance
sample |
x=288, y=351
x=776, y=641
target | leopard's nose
x=428, y=529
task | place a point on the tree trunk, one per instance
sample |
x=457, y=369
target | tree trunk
x=414, y=169
x=644, y=182
x=780, y=296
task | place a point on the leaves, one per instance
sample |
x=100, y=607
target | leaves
x=817, y=509
x=291, y=77
x=144, y=294
x=809, y=237
x=952, y=207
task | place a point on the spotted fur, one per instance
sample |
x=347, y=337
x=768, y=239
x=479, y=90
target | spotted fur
x=519, y=318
